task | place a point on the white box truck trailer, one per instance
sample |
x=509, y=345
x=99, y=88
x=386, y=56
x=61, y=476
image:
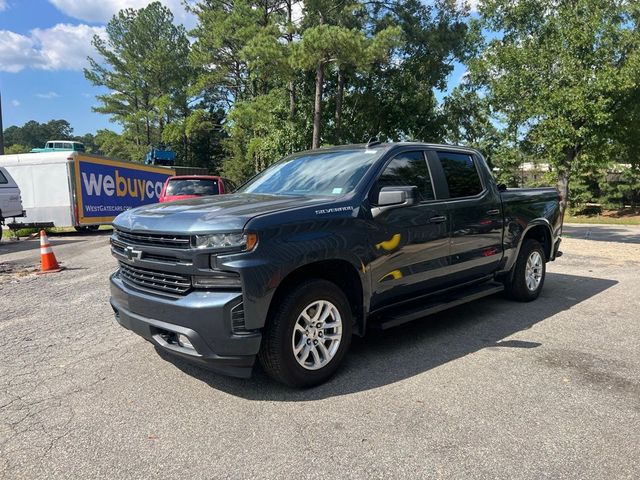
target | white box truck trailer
x=73, y=189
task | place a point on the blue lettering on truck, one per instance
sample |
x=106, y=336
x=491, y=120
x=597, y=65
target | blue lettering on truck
x=105, y=188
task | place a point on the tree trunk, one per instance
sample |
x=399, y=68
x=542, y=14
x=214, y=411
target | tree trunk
x=317, y=106
x=292, y=86
x=292, y=100
x=563, y=188
x=564, y=174
x=339, y=97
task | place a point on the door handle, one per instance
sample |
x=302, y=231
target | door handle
x=438, y=219
x=493, y=212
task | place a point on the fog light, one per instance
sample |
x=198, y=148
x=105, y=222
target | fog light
x=184, y=341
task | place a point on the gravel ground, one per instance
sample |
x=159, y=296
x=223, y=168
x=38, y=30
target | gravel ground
x=493, y=389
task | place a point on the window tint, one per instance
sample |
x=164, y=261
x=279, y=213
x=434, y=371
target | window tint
x=3, y=179
x=461, y=173
x=192, y=186
x=408, y=168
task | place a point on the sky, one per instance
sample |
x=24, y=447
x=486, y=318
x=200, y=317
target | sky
x=43, y=48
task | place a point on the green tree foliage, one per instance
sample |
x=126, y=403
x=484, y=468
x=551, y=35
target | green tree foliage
x=16, y=148
x=34, y=134
x=343, y=72
x=144, y=64
x=556, y=72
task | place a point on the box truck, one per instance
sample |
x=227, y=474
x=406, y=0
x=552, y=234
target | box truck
x=75, y=189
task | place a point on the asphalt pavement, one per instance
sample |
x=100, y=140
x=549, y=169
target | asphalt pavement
x=492, y=389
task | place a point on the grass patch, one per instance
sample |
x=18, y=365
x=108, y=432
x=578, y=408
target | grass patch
x=25, y=232
x=606, y=218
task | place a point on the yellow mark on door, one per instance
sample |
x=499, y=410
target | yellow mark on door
x=393, y=275
x=390, y=244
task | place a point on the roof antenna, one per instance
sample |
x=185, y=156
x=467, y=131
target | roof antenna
x=373, y=141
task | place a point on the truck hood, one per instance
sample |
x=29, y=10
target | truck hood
x=218, y=213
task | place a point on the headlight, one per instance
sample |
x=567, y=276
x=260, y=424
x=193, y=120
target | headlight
x=226, y=241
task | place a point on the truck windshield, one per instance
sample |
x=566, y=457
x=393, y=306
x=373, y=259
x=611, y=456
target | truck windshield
x=324, y=173
x=192, y=186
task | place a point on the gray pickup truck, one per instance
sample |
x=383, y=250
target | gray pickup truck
x=323, y=245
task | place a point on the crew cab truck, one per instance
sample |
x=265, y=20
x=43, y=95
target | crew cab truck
x=324, y=245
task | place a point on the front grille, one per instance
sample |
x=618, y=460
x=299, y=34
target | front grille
x=119, y=248
x=155, y=239
x=146, y=279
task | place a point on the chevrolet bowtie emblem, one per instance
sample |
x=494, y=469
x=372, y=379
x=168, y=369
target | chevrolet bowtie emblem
x=132, y=254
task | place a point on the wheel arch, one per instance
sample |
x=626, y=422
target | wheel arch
x=540, y=230
x=340, y=272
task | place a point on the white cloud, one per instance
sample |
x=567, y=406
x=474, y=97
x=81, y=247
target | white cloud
x=101, y=11
x=16, y=51
x=61, y=47
x=15, y=103
x=65, y=46
x=3, y=5
x=48, y=95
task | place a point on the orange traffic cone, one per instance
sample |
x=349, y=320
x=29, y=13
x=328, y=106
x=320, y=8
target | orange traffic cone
x=48, y=262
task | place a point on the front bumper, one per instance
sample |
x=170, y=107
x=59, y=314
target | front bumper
x=204, y=317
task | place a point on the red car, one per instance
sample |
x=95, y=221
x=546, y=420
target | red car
x=191, y=186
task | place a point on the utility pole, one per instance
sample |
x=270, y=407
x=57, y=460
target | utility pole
x=1, y=128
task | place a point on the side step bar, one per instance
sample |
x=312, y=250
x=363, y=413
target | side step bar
x=394, y=318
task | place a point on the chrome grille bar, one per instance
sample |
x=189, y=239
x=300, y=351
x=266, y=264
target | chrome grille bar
x=153, y=239
x=154, y=280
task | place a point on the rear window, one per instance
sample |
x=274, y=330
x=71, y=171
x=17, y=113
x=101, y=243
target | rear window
x=462, y=175
x=192, y=186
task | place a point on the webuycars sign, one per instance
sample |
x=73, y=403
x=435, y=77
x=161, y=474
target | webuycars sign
x=105, y=187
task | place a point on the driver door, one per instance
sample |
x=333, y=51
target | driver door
x=411, y=243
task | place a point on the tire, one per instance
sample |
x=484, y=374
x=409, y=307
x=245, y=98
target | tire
x=525, y=284
x=283, y=334
x=87, y=228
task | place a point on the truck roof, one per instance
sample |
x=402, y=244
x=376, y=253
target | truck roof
x=391, y=145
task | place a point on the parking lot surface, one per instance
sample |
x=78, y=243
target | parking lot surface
x=492, y=389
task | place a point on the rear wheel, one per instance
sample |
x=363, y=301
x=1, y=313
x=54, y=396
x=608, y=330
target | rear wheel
x=308, y=335
x=527, y=276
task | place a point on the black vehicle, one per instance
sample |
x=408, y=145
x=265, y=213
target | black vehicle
x=324, y=245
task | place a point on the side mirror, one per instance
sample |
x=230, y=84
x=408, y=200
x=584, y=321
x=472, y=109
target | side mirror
x=502, y=187
x=394, y=197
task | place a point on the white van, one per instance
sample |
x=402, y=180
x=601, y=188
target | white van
x=10, y=199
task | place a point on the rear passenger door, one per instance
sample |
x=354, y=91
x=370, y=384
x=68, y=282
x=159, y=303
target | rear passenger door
x=411, y=243
x=475, y=211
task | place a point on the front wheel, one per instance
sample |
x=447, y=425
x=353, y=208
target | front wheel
x=527, y=276
x=307, y=335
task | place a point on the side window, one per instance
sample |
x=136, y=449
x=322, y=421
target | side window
x=408, y=168
x=461, y=173
x=3, y=179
